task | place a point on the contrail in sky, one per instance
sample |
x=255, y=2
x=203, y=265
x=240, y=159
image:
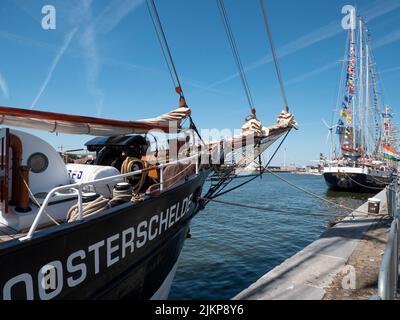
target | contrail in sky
x=388, y=39
x=104, y=23
x=108, y=20
x=313, y=72
x=114, y=13
x=53, y=65
x=390, y=70
x=4, y=87
x=377, y=9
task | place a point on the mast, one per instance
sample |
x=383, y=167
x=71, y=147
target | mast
x=379, y=129
x=352, y=50
x=361, y=88
x=367, y=103
x=347, y=125
x=387, y=138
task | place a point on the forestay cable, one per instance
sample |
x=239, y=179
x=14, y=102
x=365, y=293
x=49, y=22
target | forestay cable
x=312, y=194
x=274, y=56
x=235, y=52
x=216, y=191
x=162, y=39
x=272, y=210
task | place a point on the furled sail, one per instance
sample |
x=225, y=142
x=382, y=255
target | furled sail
x=175, y=115
x=72, y=124
x=253, y=131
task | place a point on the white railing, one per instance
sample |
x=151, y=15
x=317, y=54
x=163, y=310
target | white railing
x=78, y=187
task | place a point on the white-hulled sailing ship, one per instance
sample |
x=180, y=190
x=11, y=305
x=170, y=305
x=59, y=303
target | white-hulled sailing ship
x=366, y=159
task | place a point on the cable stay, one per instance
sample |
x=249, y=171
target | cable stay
x=273, y=210
x=162, y=39
x=274, y=56
x=218, y=189
x=235, y=52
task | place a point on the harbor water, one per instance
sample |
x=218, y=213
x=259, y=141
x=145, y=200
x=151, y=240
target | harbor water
x=231, y=247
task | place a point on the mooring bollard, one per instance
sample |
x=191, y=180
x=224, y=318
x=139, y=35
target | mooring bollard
x=373, y=205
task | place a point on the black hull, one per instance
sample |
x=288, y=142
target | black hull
x=355, y=182
x=124, y=254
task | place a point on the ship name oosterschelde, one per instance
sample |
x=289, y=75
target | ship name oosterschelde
x=50, y=279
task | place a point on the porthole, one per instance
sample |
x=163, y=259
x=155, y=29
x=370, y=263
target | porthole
x=38, y=162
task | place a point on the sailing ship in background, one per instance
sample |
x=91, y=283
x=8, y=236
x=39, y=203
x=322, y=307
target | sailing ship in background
x=366, y=158
x=114, y=226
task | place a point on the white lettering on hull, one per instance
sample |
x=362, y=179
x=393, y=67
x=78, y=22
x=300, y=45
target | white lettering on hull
x=50, y=277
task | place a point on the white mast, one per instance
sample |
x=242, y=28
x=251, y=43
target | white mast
x=388, y=125
x=367, y=104
x=352, y=45
x=361, y=89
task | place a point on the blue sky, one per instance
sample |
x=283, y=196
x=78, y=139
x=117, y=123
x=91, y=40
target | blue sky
x=104, y=60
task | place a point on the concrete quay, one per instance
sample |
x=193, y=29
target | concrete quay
x=342, y=264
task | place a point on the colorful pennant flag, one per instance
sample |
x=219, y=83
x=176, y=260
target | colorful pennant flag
x=387, y=115
x=390, y=154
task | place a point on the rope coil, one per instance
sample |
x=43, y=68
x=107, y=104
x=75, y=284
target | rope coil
x=101, y=203
x=128, y=166
x=88, y=208
x=121, y=196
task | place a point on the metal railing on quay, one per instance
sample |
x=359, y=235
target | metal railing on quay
x=389, y=270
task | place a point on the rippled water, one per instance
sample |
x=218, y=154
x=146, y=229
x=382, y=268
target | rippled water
x=232, y=247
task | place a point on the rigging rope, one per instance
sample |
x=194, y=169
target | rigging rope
x=235, y=52
x=274, y=56
x=36, y=201
x=10, y=228
x=314, y=194
x=339, y=90
x=362, y=185
x=162, y=39
x=88, y=208
x=351, y=210
x=210, y=195
x=267, y=209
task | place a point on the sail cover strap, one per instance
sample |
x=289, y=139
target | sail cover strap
x=72, y=124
